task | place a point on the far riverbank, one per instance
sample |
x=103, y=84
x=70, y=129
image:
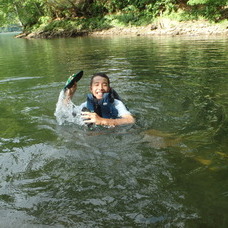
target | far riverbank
x=164, y=27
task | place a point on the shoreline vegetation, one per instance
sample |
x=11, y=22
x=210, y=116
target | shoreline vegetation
x=72, y=18
x=163, y=27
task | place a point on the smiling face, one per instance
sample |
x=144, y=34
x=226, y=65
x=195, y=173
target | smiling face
x=99, y=86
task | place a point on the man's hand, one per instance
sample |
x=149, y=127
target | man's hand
x=92, y=117
x=70, y=92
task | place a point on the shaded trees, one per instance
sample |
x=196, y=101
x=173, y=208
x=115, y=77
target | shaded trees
x=35, y=12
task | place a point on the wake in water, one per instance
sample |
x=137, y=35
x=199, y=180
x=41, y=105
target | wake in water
x=67, y=112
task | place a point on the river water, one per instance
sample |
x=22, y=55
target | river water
x=167, y=170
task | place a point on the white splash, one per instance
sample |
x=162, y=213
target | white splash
x=67, y=112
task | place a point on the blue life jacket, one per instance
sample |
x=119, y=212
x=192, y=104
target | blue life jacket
x=104, y=107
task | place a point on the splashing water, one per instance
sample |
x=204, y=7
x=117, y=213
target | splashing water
x=67, y=112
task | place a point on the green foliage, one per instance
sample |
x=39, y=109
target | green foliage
x=96, y=14
x=208, y=2
x=129, y=16
x=25, y=12
x=44, y=20
x=141, y=12
x=213, y=10
x=76, y=25
x=6, y=13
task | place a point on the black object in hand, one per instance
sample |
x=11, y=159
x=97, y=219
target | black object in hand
x=84, y=109
x=72, y=79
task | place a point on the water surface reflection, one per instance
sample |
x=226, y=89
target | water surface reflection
x=169, y=169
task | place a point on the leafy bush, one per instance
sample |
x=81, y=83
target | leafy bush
x=98, y=14
x=210, y=9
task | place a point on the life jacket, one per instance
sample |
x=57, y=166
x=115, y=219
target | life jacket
x=104, y=107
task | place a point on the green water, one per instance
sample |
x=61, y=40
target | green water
x=168, y=170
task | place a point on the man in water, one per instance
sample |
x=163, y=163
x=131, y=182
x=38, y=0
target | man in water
x=103, y=104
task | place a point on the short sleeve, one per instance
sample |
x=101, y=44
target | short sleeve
x=121, y=108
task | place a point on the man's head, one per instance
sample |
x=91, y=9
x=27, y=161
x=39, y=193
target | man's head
x=99, y=85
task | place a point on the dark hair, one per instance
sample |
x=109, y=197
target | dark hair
x=103, y=75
